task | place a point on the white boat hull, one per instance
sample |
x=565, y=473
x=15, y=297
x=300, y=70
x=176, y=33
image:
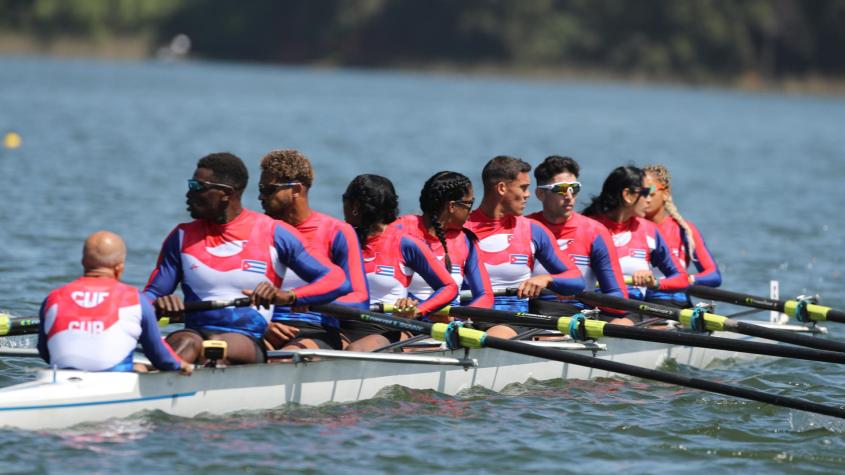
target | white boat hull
x=65, y=398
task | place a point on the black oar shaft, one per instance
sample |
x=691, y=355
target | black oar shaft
x=662, y=376
x=735, y=298
x=11, y=326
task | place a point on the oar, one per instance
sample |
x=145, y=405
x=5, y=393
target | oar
x=794, y=308
x=470, y=338
x=10, y=326
x=594, y=329
x=709, y=321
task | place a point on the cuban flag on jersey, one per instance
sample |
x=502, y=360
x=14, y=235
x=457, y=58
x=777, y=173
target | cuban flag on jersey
x=638, y=253
x=519, y=259
x=581, y=261
x=456, y=269
x=385, y=270
x=252, y=265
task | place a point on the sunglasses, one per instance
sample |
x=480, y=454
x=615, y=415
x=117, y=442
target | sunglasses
x=644, y=191
x=201, y=186
x=271, y=188
x=563, y=188
x=466, y=204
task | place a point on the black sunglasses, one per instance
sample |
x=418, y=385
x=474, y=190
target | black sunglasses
x=201, y=186
x=643, y=191
x=270, y=188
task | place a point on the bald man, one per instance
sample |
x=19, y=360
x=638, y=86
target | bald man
x=95, y=322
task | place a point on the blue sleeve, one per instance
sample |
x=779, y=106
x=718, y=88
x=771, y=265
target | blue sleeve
x=347, y=256
x=155, y=349
x=433, y=272
x=566, y=279
x=42, y=335
x=603, y=266
x=326, y=282
x=168, y=272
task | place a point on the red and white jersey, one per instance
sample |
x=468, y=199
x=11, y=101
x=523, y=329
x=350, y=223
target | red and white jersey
x=94, y=324
x=391, y=259
x=467, y=268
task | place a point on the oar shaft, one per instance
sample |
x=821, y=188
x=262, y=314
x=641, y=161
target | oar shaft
x=735, y=298
x=11, y=326
x=662, y=376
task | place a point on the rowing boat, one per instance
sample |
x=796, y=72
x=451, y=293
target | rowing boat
x=63, y=398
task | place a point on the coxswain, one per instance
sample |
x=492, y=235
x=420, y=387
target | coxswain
x=227, y=252
x=446, y=200
x=511, y=243
x=95, y=322
x=641, y=248
x=682, y=237
x=286, y=179
x=391, y=259
x=585, y=239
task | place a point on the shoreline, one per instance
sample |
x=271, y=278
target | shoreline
x=140, y=47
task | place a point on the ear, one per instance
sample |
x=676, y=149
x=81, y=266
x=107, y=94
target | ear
x=537, y=193
x=501, y=188
x=118, y=270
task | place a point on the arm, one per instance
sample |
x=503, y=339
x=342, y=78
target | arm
x=476, y=277
x=168, y=271
x=565, y=278
x=708, y=271
x=605, y=264
x=326, y=281
x=346, y=253
x=661, y=257
x=159, y=352
x=419, y=258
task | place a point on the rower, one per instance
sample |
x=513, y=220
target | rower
x=682, y=237
x=621, y=207
x=446, y=200
x=391, y=259
x=585, y=239
x=229, y=251
x=95, y=322
x=286, y=179
x=510, y=243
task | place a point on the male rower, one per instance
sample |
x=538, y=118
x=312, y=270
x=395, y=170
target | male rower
x=95, y=322
x=286, y=179
x=227, y=252
x=510, y=243
x=585, y=239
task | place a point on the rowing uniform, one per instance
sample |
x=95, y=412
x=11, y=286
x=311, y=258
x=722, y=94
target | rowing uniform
x=467, y=270
x=708, y=271
x=509, y=247
x=95, y=324
x=337, y=241
x=591, y=247
x=218, y=261
x=640, y=246
x=392, y=258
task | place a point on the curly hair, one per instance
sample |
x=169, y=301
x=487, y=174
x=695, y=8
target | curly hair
x=553, y=165
x=226, y=168
x=377, y=202
x=661, y=173
x=610, y=199
x=436, y=194
x=288, y=165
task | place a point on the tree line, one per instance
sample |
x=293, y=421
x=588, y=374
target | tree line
x=687, y=39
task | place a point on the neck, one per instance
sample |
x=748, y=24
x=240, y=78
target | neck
x=298, y=213
x=100, y=273
x=556, y=219
x=230, y=213
x=621, y=215
x=659, y=216
x=492, y=206
x=376, y=229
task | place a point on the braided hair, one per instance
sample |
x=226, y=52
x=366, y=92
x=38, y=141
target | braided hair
x=661, y=173
x=610, y=198
x=377, y=202
x=436, y=194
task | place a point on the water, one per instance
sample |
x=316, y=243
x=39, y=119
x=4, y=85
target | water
x=110, y=144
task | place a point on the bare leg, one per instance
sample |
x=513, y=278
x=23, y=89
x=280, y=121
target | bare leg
x=368, y=343
x=240, y=349
x=186, y=344
x=502, y=331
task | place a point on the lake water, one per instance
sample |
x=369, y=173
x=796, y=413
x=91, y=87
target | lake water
x=110, y=144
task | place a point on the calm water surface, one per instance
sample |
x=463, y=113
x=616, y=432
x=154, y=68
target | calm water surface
x=110, y=144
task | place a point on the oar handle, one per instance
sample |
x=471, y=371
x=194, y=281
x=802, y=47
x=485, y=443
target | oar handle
x=203, y=305
x=735, y=298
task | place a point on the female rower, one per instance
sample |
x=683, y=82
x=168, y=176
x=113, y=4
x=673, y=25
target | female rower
x=391, y=258
x=681, y=236
x=641, y=248
x=446, y=200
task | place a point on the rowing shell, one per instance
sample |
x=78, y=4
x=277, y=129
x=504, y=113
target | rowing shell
x=63, y=398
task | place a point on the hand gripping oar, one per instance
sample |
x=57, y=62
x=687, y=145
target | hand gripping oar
x=10, y=326
x=802, y=310
x=457, y=336
x=708, y=321
x=587, y=329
